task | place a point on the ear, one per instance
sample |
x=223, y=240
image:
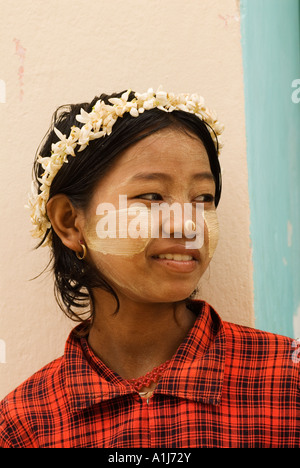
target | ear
x=66, y=221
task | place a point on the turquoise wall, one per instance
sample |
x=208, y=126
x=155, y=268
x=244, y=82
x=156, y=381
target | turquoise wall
x=271, y=60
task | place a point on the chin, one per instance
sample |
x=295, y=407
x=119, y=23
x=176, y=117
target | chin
x=175, y=294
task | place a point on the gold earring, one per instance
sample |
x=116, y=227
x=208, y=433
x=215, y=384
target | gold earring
x=81, y=257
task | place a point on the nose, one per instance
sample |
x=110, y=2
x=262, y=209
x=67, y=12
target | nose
x=177, y=220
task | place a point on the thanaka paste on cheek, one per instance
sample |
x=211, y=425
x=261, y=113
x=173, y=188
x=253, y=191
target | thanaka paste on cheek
x=127, y=232
x=212, y=224
x=117, y=232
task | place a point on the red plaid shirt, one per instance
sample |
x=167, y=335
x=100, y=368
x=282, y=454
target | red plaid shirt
x=227, y=386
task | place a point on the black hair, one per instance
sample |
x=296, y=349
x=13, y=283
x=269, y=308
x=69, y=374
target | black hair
x=76, y=279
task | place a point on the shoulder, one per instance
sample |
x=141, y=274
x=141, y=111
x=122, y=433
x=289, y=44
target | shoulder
x=247, y=337
x=259, y=350
x=19, y=409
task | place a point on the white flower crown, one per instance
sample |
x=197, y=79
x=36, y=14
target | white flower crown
x=97, y=124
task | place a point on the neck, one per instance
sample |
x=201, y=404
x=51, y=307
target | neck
x=140, y=336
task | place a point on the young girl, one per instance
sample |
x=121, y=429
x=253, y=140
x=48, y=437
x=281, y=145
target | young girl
x=127, y=190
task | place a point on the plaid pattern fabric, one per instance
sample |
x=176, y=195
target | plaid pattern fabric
x=227, y=386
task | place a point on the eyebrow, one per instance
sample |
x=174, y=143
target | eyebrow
x=142, y=176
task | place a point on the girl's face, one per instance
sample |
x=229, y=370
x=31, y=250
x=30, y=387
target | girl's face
x=130, y=263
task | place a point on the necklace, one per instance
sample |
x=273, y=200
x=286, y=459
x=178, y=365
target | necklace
x=152, y=376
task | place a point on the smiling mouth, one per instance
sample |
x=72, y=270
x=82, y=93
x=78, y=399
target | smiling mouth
x=176, y=257
x=176, y=263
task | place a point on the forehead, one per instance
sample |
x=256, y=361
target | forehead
x=169, y=149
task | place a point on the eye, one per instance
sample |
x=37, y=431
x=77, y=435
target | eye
x=150, y=196
x=206, y=198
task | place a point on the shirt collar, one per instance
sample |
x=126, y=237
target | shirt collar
x=196, y=370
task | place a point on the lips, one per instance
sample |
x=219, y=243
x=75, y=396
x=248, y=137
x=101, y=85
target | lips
x=176, y=257
x=177, y=250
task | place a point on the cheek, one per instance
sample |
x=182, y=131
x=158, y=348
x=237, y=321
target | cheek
x=208, y=234
x=115, y=244
x=118, y=233
x=123, y=273
x=212, y=230
x=116, y=247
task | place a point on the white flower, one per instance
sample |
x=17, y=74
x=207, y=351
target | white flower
x=83, y=117
x=162, y=98
x=134, y=112
x=149, y=104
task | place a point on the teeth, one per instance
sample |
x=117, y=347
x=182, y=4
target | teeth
x=177, y=257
